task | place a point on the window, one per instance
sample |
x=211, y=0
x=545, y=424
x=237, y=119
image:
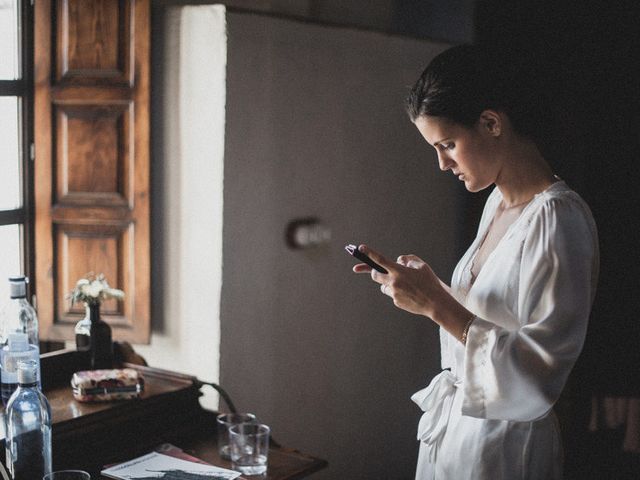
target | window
x=16, y=242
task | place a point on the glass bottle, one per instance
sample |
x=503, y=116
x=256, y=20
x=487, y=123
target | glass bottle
x=28, y=427
x=100, y=346
x=18, y=336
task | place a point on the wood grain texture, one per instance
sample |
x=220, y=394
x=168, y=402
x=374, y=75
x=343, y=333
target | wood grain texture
x=94, y=41
x=92, y=160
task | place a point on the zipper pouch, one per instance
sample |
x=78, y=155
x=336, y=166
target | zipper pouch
x=107, y=385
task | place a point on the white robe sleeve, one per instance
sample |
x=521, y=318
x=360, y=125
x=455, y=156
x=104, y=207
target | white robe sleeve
x=519, y=374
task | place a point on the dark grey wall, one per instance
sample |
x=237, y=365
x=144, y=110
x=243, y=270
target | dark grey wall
x=316, y=127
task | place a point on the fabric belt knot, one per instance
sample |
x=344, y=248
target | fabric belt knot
x=435, y=401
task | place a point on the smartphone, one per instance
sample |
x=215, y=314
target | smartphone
x=353, y=250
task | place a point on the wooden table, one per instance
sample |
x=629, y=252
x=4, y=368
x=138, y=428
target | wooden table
x=89, y=436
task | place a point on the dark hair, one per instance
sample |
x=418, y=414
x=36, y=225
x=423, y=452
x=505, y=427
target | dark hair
x=459, y=84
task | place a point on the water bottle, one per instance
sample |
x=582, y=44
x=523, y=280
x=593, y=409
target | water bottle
x=28, y=427
x=18, y=337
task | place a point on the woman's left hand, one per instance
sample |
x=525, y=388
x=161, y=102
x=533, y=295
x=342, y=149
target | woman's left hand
x=411, y=282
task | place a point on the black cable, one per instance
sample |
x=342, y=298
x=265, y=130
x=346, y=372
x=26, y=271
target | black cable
x=223, y=394
x=232, y=407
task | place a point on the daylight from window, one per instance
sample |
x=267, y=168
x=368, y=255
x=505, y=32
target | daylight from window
x=11, y=194
x=9, y=40
x=9, y=152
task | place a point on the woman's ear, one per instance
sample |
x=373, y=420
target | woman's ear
x=491, y=122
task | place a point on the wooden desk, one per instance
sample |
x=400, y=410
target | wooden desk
x=88, y=436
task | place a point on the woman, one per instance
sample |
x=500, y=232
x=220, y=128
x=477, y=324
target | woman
x=514, y=320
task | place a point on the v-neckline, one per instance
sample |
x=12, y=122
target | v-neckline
x=480, y=241
x=466, y=272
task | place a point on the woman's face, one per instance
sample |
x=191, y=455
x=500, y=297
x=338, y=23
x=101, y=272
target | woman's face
x=470, y=153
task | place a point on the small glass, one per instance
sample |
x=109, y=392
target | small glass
x=224, y=421
x=67, y=475
x=249, y=448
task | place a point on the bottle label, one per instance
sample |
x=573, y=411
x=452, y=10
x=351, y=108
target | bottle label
x=29, y=454
x=9, y=366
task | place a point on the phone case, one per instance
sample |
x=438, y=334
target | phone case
x=107, y=385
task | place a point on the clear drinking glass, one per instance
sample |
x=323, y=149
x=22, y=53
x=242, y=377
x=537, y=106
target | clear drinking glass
x=224, y=421
x=67, y=475
x=249, y=448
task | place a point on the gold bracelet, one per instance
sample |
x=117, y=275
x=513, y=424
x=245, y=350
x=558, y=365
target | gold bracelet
x=465, y=332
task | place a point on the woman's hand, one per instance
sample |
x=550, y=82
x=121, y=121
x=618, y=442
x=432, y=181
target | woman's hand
x=410, y=282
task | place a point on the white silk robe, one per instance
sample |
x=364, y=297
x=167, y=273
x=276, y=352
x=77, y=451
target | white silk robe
x=490, y=416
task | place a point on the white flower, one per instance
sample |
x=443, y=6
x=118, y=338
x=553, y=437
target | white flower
x=112, y=293
x=93, y=289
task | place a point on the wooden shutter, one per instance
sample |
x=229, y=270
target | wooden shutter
x=92, y=160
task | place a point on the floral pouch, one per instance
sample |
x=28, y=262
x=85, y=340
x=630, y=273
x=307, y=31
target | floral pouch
x=107, y=385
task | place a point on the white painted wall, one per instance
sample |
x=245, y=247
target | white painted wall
x=187, y=175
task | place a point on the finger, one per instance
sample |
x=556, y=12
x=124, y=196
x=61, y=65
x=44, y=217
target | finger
x=411, y=261
x=378, y=277
x=409, y=257
x=361, y=268
x=377, y=257
x=415, y=264
x=386, y=290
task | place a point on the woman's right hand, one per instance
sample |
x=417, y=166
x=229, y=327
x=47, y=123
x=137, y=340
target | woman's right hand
x=411, y=282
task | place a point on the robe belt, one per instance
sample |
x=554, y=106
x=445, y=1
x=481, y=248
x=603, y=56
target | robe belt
x=435, y=401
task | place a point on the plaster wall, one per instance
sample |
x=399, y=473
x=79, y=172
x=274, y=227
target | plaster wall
x=315, y=126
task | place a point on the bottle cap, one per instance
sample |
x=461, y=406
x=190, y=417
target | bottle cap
x=27, y=372
x=18, y=286
x=18, y=342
